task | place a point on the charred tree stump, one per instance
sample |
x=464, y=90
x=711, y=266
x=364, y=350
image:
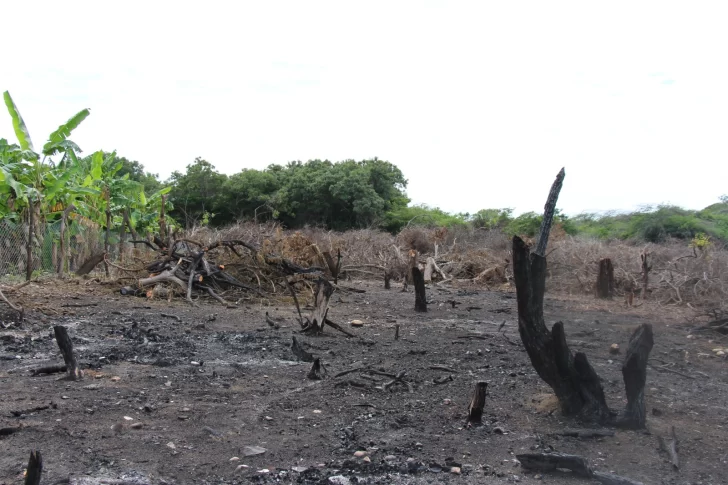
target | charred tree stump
x=35, y=468
x=299, y=352
x=634, y=372
x=317, y=321
x=387, y=279
x=419, y=283
x=396, y=332
x=605, y=279
x=66, y=346
x=671, y=448
x=477, y=403
x=317, y=372
x=574, y=381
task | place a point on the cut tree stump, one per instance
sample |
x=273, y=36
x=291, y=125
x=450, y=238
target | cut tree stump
x=605, y=279
x=387, y=279
x=477, y=403
x=419, y=283
x=317, y=321
x=634, y=373
x=671, y=448
x=66, y=346
x=35, y=468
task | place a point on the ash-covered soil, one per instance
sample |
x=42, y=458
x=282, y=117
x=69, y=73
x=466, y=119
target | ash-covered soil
x=211, y=395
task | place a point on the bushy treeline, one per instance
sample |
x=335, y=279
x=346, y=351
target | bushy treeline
x=371, y=193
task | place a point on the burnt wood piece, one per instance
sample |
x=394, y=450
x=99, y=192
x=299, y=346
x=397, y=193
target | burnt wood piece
x=477, y=403
x=605, y=279
x=572, y=378
x=317, y=371
x=634, y=373
x=35, y=468
x=387, y=280
x=299, y=352
x=51, y=369
x=66, y=346
x=420, y=297
x=586, y=433
x=396, y=332
x=549, y=462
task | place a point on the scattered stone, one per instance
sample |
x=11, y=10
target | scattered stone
x=418, y=445
x=357, y=323
x=360, y=454
x=339, y=480
x=317, y=411
x=499, y=430
x=128, y=418
x=241, y=467
x=136, y=425
x=263, y=471
x=64, y=397
x=366, y=459
x=234, y=458
x=390, y=458
x=299, y=469
x=171, y=445
x=253, y=450
x=614, y=349
x=455, y=470
x=115, y=379
x=92, y=387
x=720, y=353
x=268, y=418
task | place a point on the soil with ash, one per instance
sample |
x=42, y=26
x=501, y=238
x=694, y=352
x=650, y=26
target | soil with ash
x=214, y=395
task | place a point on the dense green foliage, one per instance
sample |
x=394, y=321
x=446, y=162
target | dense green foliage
x=344, y=195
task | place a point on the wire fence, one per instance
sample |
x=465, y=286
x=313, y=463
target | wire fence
x=81, y=241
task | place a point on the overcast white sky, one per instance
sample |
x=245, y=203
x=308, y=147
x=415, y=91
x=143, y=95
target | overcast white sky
x=479, y=103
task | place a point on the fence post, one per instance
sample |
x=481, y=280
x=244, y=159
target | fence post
x=29, y=246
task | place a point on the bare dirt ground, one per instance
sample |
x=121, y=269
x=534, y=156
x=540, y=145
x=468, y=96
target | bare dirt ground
x=166, y=401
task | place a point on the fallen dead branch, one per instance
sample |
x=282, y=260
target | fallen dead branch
x=552, y=462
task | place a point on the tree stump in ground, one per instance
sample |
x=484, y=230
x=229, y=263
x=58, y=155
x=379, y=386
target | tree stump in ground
x=317, y=371
x=634, y=372
x=605, y=279
x=35, y=469
x=90, y=264
x=477, y=403
x=574, y=381
x=387, y=279
x=324, y=290
x=66, y=346
x=420, y=297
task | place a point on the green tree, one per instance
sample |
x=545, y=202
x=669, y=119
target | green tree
x=195, y=194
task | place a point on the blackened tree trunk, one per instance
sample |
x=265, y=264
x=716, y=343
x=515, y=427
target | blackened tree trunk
x=572, y=378
x=35, y=469
x=634, y=373
x=419, y=283
x=66, y=346
x=477, y=403
x=549, y=212
x=387, y=279
x=645, y=273
x=605, y=279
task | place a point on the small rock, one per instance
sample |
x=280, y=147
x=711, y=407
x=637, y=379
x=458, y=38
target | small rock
x=171, y=445
x=339, y=480
x=136, y=425
x=317, y=411
x=418, y=445
x=720, y=353
x=92, y=387
x=241, y=467
x=498, y=430
x=357, y=323
x=538, y=477
x=299, y=469
x=263, y=471
x=390, y=458
x=128, y=418
x=455, y=470
x=115, y=379
x=117, y=428
x=234, y=458
x=360, y=454
x=614, y=349
x=253, y=450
